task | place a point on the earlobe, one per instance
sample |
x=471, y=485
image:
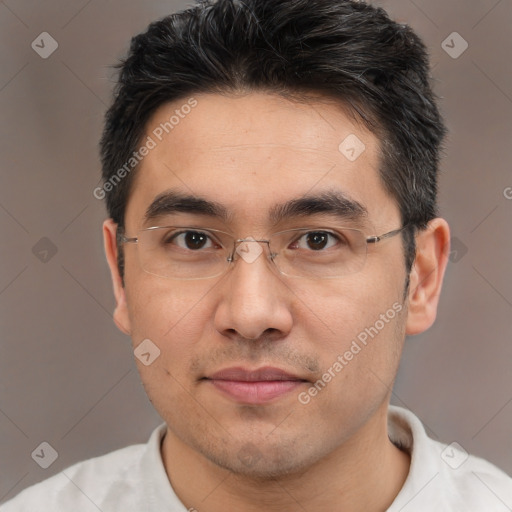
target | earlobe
x=427, y=273
x=121, y=316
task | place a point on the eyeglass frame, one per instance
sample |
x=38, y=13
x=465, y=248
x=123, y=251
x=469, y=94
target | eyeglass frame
x=374, y=239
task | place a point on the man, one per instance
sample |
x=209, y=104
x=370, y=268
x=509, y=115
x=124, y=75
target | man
x=270, y=170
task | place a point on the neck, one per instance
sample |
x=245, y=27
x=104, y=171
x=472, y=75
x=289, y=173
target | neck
x=365, y=473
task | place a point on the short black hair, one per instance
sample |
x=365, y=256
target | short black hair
x=342, y=49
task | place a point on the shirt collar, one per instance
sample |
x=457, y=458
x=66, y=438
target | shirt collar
x=159, y=494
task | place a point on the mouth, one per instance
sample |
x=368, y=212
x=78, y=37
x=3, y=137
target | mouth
x=254, y=387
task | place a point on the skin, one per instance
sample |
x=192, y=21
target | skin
x=249, y=152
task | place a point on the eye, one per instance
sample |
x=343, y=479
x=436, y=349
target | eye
x=191, y=240
x=317, y=241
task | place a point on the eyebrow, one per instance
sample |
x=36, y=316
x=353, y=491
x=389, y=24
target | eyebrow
x=170, y=202
x=332, y=202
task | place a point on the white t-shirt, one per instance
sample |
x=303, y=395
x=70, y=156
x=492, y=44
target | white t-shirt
x=442, y=478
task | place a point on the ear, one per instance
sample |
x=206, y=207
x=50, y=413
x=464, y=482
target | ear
x=121, y=317
x=427, y=273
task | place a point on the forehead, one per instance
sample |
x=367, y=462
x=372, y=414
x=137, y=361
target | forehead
x=252, y=152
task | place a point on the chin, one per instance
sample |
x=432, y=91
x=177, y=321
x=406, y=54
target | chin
x=253, y=461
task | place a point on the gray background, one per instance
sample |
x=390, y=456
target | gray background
x=68, y=376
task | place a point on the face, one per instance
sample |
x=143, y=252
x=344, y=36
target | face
x=249, y=154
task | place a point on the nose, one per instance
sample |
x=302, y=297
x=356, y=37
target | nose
x=254, y=300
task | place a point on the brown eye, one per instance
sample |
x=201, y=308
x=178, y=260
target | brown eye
x=316, y=241
x=192, y=240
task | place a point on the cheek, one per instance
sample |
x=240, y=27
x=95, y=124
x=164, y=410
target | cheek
x=174, y=317
x=336, y=311
x=172, y=314
x=356, y=328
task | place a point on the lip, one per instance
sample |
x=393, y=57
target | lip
x=265, y=373
x=254, y=387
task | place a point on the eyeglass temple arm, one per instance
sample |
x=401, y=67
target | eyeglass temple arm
x=375, y=239
x=125, y=240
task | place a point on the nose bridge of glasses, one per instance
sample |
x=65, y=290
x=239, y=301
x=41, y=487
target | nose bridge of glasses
x=249, y=249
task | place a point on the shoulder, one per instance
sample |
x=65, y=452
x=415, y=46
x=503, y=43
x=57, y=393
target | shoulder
x=474, y=481
x=83, y=486
x=445, y=476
